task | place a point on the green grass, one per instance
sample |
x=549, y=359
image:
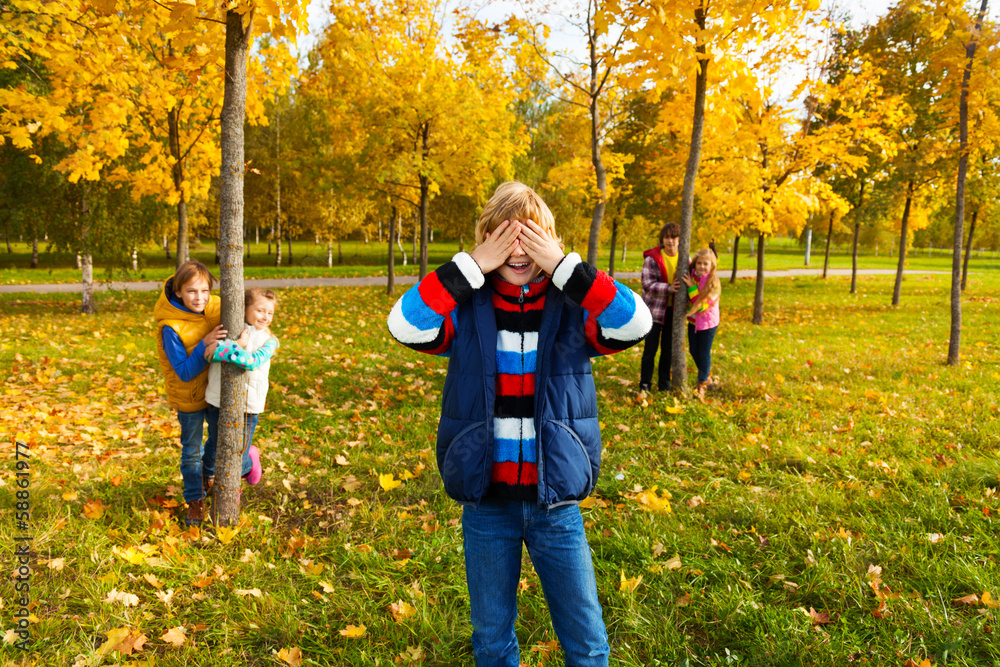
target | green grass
x=835, y=442
x=361, y=259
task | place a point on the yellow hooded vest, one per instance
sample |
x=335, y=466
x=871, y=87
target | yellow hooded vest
x=191, y=327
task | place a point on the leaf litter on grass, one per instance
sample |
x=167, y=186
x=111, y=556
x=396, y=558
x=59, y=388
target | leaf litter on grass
x=779, y=494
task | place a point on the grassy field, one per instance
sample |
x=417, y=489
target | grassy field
x=361, y=259
x=835, y=501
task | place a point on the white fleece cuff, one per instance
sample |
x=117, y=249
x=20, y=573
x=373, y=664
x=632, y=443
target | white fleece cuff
x=470, y=269
x=565, y=269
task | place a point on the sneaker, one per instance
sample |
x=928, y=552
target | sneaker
x=256, y=472
x=645, y=386
x=195, y=513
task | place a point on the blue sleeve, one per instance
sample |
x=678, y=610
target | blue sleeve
x=186, y=367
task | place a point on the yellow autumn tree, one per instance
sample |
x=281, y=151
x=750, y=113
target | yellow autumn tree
x=412, y=108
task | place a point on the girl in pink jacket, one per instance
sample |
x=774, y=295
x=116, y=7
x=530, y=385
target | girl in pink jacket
x=704, y=291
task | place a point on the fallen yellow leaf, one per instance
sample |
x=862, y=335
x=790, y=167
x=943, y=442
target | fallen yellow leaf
x=354, y=631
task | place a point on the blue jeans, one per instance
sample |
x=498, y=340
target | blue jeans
x=493, y=534
x=208, y=464
x=700, y=343
x=193, y=453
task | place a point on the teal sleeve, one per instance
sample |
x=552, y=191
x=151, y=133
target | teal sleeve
x=232, y=353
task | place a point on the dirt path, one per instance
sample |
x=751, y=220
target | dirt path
x=277, y=283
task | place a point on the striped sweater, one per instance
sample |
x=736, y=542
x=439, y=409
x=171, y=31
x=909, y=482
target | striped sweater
x=425, y=318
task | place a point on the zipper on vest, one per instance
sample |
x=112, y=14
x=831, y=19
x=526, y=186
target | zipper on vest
x=520, y=297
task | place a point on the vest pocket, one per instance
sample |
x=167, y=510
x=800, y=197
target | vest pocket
x=463, y=465
x=568, y=469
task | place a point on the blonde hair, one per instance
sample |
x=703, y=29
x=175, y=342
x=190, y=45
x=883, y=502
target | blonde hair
x=514, y=200
x=713, y=288
x=251, y=295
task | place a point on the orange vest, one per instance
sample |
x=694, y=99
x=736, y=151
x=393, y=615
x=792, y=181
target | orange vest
x=191, y=327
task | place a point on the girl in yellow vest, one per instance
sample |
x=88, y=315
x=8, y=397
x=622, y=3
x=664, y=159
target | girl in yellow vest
x=188, y=329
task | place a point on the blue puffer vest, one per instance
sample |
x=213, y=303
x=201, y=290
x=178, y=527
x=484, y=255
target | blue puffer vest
x=567, y=434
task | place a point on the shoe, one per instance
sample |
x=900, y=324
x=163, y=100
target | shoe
x=256, y=471
x=207, y=483
x=645, y=386
x=195, y=513
x=699, y=391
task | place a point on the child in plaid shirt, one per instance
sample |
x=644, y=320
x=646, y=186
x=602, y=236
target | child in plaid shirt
x=659, y=283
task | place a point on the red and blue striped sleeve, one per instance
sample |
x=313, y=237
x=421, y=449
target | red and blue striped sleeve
x=424, y=317
x=616, y=318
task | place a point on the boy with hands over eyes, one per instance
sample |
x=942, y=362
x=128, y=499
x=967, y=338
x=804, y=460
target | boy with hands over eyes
x=518, y=443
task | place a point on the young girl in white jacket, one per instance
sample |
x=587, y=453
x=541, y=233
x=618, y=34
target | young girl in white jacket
x=252, y=351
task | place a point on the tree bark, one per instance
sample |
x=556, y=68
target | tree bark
x=903, y=228
x=678, y=352
x=854, y=244
x=135, y=258
x=624, y=249
x=968, y=250
x=736, y=259
x=391, y=281
x=277, y=188
x=829, y=237
x=614, y=239
x=758, y=296
x=34, y=251
x=425, y=185
x=399, y=236
x=166, y=245
x=173, y=127
x=340, y=252
x=955, y=340
x=84, y=258
x=288, y=237
x=593, y=242
x=329, y=253
x=232, y=408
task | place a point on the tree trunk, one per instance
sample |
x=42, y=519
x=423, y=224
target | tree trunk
x=173, y=129
x=87, y=268
x=166, y=245
x=288, y=237
x=416, y=233
x=277, y=188
x=614, y=238
x=593, y=242
x=257, y=240
x=955, y=340
x=678, y=352
x=897, y=288
x=736, y=259
x=6, y=237
x=968, y=249
x=425, y=185
x=340, y=252
x=34, y=251
x=84, y=258
x=826, y=257
x=390, y=285
x=232, y=408
x=270, y=235
x=758, y=296
x=624, y=249
x=854, y=244
x=329, y=253
x=135, y=259
x=399, y=236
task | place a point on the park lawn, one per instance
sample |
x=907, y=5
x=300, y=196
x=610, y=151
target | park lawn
x=370, y=259
x=835, y=501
